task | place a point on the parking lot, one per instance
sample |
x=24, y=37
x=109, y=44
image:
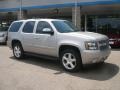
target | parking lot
x=34, y=73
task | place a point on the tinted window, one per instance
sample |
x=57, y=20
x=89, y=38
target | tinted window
x=29, y=26
x=15, y=27
x=41, y=25
x=64, y=26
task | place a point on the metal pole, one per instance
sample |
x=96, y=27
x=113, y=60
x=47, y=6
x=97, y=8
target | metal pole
x=85, y=23
x=96, y=23
x=20, y=9
x=76, y=13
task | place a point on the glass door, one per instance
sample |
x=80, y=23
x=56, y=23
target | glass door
x=104, y=24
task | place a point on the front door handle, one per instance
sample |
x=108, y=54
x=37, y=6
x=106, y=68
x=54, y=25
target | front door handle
x=36, y=37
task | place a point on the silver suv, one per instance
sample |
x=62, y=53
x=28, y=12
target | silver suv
x=57, y=39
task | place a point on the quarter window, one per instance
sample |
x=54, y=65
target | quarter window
x=15, y=27
x=29, y=26
x=41, y=25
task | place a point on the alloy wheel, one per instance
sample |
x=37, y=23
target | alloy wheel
x=69, y=61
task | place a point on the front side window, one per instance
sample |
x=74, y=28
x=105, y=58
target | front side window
x=15, y=27
x=42, y=25
x=64, y=26
x=29, y=26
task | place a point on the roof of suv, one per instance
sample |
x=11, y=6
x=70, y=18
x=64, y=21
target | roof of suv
x=40, y=19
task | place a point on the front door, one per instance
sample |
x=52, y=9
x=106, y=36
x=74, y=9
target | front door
x=44, y=43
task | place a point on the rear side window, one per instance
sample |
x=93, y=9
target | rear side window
x=29, y=26
x=15, y=27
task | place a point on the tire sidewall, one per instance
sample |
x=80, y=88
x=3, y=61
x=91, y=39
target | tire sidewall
x=21, y=49
x=78, y=60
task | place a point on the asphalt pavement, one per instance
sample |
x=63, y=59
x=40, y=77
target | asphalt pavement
x=34, y=73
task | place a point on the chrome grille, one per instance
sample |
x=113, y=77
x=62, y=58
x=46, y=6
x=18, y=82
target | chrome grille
x=104, y=44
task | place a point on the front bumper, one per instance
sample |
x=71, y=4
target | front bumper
x=95, y=56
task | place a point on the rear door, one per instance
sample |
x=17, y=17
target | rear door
x=27, y=36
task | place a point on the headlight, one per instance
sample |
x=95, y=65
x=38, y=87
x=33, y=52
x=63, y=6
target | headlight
x=91, y=45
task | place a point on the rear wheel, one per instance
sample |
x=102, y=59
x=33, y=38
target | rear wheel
x=18, y=51
x=71, y=60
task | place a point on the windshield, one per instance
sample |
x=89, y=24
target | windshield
x=65, y=26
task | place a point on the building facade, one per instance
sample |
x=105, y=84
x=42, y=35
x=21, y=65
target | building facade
x=102, y=16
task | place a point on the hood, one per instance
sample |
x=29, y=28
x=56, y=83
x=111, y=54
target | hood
x=88, y=35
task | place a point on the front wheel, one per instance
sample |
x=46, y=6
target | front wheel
x=18, y=51
x=71, y=60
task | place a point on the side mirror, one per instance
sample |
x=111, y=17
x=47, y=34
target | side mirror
x=48, y=31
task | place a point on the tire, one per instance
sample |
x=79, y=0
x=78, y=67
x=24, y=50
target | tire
x=71, y=60
x=18, y=51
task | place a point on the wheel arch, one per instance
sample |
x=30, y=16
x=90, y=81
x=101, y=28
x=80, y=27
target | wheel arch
x=15, y=41
x=63, y=47
x=77, y=53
